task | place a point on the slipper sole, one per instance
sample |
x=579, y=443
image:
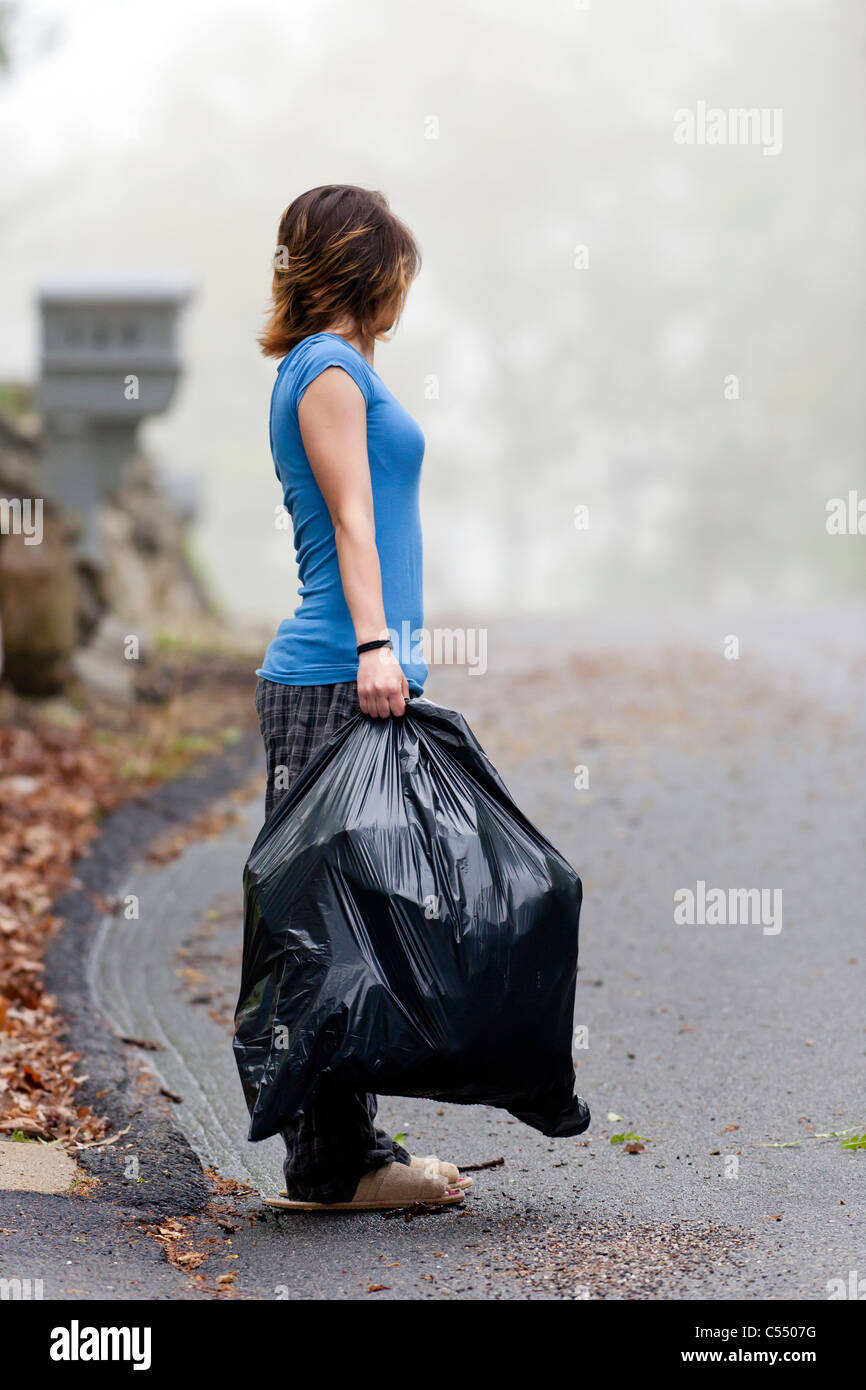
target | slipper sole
x=287, y=1204
x=463, y=1183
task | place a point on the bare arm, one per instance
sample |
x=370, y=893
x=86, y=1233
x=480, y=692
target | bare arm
x=332, y=417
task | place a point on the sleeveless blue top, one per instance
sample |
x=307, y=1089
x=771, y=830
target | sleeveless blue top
x=317, y=645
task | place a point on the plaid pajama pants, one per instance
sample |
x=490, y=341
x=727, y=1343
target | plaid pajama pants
x=334, y=1142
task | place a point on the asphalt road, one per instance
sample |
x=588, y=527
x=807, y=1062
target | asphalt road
x=717, y=1044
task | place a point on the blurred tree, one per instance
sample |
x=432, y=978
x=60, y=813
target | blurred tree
x=6, y=14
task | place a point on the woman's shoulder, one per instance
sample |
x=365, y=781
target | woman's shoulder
x=324, y=345
x=314, y=354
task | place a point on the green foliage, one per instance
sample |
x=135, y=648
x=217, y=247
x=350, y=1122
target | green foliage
x=16, y=398
x=192, y=743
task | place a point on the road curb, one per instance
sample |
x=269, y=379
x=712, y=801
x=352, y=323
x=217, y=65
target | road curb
x=153, y=1168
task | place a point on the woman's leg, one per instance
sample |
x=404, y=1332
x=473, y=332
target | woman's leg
x=334, y=1142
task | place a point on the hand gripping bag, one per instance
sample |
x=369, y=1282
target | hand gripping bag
x=408, y=931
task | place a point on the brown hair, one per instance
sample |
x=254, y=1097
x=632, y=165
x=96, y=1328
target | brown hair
x=341, y=251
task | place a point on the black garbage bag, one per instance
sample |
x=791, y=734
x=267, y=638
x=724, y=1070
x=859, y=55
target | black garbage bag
x=408, y=931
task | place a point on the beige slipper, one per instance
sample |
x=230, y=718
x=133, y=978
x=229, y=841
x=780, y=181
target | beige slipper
x=449, y=1171
x=391, y=1185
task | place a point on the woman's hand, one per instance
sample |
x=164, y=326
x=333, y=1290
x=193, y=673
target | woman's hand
x=382, y=688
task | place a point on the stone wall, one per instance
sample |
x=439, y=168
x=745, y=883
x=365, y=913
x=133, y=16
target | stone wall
x=54, y=605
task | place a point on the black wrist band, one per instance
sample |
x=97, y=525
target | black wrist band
x=372, y=646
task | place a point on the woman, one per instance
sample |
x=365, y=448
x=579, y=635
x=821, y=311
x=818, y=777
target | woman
x=348, y=457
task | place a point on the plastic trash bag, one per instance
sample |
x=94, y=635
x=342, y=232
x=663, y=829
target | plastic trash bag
x=408, y=931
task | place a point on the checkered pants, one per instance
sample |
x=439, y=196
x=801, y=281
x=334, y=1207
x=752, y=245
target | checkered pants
x=334, y=1142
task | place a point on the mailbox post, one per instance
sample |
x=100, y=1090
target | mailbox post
x=109, y=360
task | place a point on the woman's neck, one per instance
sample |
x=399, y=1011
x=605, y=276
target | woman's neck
x=364, y=344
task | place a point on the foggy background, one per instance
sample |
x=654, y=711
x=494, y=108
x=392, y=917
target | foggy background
x=544, y=378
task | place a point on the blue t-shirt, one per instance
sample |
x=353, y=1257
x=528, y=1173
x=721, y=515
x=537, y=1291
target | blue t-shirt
x=317, y=645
